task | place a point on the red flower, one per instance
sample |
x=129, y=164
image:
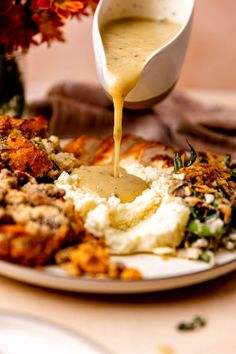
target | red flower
x=16, y=27
x=21, y=20
x=48, y=24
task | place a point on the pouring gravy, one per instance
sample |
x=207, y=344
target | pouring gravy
x=128, y=43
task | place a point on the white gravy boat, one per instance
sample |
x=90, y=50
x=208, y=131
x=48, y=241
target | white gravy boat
x=162, y=69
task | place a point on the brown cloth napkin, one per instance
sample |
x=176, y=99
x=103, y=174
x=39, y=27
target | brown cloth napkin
x=77, y=108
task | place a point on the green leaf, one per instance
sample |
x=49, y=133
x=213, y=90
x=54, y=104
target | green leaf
x=197, y=322
x=233, y=173
x=222, y=190
x=216, y=203
x=193, y=155
x=178, y=164
x=227, y=160
x=194, y=212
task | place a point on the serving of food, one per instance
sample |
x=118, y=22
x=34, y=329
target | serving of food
x=118, y=208
x=52, y=216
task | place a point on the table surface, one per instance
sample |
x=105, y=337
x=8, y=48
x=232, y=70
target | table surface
x=139, y=324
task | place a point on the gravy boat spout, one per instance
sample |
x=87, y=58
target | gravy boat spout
x=162, y=69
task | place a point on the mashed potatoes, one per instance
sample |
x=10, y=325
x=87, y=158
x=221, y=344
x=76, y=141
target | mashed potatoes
x=154, y=219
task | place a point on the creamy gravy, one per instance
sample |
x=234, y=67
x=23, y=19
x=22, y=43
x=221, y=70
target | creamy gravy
x=101, y=180
x=128, y=43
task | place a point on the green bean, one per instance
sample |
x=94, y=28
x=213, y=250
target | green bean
x=205, y=229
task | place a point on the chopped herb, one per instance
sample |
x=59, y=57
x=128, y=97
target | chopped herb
x=198, y=322
x=195, y=213
x=233, y=173
x=178, y=164
x=195, y=193
x=185, y=326
x=227, y=160
x=204, y=256
x=222, y=190
x=193, y=155
x=216, y=203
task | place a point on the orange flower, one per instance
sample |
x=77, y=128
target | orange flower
x=68, y=8
x=63, y=8
x=22, y=20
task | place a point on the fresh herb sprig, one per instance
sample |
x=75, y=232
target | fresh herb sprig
x=178, y=163
x=196, y=323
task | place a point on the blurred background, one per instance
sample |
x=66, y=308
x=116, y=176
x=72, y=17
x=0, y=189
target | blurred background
x=210, y=61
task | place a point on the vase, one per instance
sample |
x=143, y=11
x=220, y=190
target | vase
x=12, y=99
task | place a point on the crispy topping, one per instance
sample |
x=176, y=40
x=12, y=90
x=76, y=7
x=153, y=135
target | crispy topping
x=21, y=154
x=24, y=147
x=209, y=175
x=209, y=189
x=31, y=127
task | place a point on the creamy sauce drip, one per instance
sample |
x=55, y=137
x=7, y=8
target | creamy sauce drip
x=128, y=43
x=100, y=179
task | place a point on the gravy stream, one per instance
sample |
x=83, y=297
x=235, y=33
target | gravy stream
x=128, y=43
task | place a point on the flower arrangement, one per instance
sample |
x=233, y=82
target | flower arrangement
x=26, y=22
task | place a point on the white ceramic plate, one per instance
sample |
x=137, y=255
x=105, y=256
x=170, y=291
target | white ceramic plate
x=27, y=335
x=158, y=275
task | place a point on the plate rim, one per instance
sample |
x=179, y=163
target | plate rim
x=83, y=285
x=56, y=326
